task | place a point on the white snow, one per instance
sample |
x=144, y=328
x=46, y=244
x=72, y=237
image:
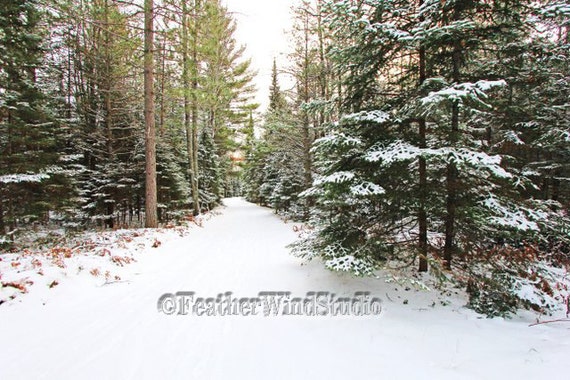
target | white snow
x=89, y=328
x=514, y=138
x=366, y=188
x=462, y=91
x=521, y=218
x=18, y=178
x=402, y=151
x=555, y=10
x=337, y=177
x=397, y=151
x=339, y=139
x=375, y=116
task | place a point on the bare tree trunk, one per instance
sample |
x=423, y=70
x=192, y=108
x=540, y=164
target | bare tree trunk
x=108, y=106
x=162, y=86
x=452, y=172
x=151, y=220
x=422, y=215
x=307, y=139
x=323, y=73
x=194, y=93
x=2, y=223
x=186, y=86
x=11, y=217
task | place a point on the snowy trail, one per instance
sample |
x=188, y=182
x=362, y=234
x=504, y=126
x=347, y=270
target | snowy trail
x=115, y=332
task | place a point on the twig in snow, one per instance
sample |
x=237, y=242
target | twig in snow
x=114, y=282
x=552, y=321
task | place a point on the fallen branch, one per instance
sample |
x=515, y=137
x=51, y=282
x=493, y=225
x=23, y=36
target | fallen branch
x=114, y=282
x=551, y=321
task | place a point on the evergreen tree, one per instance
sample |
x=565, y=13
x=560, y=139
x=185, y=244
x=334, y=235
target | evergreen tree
x=28, y=133
x=273, y=174
x=290, y=129
x=277, y=101
x=415, y=96
x=210, y=179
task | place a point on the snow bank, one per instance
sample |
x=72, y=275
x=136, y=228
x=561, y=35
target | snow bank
x=112, y=330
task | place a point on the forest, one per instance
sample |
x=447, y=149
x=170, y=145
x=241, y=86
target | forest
x=78, y=81
x=420, y=136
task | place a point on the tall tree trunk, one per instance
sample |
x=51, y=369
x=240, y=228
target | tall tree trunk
x=2, y=223
x=107, y=104
x=323, y=72
x=9, y=194
x=422, y=214
x=186, y=86
x=150, y=132
x=162, y=115
x=194, y=93
x=452, y=172
x=108, y=83
x=13, y=223
x=307, y=139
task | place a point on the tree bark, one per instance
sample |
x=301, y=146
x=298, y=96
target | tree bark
x=186, y=86
x=151, y=220
x=307, y=138
x=452, y=172
x=108, y=105
x=2, y=223
x=422, y=214
x=194, y=93
x=162, y=115
x=323, y=72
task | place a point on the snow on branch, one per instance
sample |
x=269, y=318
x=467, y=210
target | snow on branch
x=402, y=151
x=555, y=10
x=440, y=32
x=335, y=139
x=462, y=92
x=26, y=178
x=519, y=218
x=398, y=151
x=513, y=137
x=388, y=29
x=350, y=264
x=375, y=116
x=358, y=188
x=477, y=160
x=338, y=177
x=366, y=189
x=340, y=259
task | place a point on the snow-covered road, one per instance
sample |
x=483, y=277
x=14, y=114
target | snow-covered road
x=114, y=331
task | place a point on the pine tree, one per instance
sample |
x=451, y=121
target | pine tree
x=277, y=101
x=416, y=137
x=290, y=129
x=28, y=138
x=216, y=85
x=273, y=173
x=211, y=181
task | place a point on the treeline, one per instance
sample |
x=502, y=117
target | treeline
x=72, y=126
x=428, y=133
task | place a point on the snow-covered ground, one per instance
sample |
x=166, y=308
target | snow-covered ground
x=92, y=327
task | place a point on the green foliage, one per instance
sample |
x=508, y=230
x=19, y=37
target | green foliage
x=71, y=111
x=211, y=174
x=478, y=191
x=492, y=295
x=30, y=180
